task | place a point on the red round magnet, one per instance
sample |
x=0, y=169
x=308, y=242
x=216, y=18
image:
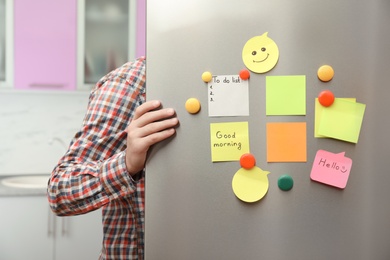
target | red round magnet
x=244, y=74
x=326, y=98
x=247, y=161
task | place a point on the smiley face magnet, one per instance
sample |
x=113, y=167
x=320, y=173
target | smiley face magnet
x=260, y=54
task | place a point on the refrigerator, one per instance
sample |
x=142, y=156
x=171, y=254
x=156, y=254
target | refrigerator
x=194, y=207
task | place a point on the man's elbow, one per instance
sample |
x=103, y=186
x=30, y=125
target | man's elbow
x=55, y=201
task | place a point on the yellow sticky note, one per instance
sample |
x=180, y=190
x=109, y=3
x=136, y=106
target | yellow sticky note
x=260, y=54
x=342, y=120
x=286, y=142
x=250, y=185
x=317, y=116
x=229, y=141
x=286, y=95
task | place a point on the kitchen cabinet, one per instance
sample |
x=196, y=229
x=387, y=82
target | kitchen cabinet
x=67, y=44
x=79, y=237
x=106, y=38
x=29, y=230
x=6, y=43
x=45, y=44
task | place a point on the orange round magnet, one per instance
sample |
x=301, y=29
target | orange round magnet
x=325, y=73
x=207, y=76
x=192, y=105
x=326, y=98
x=244, y=74
x=247, y=161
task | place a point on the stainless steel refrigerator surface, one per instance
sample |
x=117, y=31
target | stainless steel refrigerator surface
x=191, y=209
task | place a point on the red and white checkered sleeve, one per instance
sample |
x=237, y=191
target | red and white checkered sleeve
x=93, y=170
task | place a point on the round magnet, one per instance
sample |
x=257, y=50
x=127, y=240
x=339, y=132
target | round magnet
x=192, y=105
x=325, y=73
x=285, y=182
x=247, y=161
x=326, y=98
x=244, y=74
x=207, y=76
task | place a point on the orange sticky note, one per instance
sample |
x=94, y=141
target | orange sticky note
x=286, y=142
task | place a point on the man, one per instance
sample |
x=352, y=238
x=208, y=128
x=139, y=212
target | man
x=104, y=165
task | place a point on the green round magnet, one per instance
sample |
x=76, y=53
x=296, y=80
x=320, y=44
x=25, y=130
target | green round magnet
x=285, y=182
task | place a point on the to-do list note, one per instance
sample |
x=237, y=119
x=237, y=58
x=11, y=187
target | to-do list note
x=228, y=96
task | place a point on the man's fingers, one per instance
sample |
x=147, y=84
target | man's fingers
x=159, y=126
x=158, y=115
x=153, y=127
x=146, y=107
x=153, y=116
x=159, y=136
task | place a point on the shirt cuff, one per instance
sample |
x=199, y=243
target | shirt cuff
x=117, y=182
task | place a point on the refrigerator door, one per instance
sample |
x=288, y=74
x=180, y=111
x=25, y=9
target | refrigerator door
x=192, y=211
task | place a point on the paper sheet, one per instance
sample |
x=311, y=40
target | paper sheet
x=250, y=185
x=332, y=169
x=286, y=95
x=286, y=142
x=317, y=117
x=342, y=120
x=228, y=95
x=229, y=141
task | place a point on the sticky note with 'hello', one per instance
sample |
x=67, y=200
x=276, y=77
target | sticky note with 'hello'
x=331, y=169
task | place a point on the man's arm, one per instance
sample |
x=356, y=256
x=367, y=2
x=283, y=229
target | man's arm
x=105, y=155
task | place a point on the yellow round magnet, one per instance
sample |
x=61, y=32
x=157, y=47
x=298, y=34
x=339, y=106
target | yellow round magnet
x=207, y=76
x=250, y=185
x=192, y=105
x=325, y=73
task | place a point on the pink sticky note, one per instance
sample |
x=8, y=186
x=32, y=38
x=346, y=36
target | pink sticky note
x=330, y=168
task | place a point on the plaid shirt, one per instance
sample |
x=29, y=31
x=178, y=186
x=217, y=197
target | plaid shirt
x=92, y=174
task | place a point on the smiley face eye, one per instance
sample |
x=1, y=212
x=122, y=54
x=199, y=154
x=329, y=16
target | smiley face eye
x=254, y=53
x=263, y=49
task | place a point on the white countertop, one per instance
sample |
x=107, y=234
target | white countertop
x=6, y=191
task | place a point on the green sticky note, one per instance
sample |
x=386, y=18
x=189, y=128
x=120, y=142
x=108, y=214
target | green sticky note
x=286, y=95
x=318, y=113
x=342, y=120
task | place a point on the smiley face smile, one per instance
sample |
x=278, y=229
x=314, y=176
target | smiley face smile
x=258, y=61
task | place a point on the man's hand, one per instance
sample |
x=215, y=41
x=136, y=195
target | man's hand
x=149, y=126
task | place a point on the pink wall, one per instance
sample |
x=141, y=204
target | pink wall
x=141, y=28
x=45, y=44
